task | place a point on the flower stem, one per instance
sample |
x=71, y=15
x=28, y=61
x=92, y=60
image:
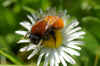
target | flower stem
x=96, y=60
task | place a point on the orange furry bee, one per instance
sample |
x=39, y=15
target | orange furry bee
x=44, y=27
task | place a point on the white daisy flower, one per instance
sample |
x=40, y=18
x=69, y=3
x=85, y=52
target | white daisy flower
x=58, y=50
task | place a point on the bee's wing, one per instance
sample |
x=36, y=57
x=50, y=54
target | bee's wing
x=49, y=24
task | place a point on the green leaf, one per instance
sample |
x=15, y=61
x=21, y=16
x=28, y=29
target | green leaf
x=3, y=43
x=92, y=24
x=10, y=56
x=90, y=42
x=44, y=4
x=28, y=9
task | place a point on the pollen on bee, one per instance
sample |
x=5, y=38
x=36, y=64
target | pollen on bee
x=51, y=43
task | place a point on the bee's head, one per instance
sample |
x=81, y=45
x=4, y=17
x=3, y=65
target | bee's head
x=34, y=38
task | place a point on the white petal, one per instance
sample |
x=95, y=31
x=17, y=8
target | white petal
x=41, y=11
x=35, y=17
x=78, y=33
x=56, y=64
x=27, y=48
x=31, y=46
x=51, y=61
x=74, y=30
x=24, y=41
x=73, y=42
x=75, y=34
x=46, y=59
x=27, y=25
x=74, y=23
x=39, y=59
x=65, y=12
x=56, y=57
x=23, y=49
x=33, y=53
x=65, y=18
x=31, y=19
x=70, y=26
x=20, y=32
x=67, y=57
x=70, y=51
x=74, y=37
x=62, y=60
x=73, y=46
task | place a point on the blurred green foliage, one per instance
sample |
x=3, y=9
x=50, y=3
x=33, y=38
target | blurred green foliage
x=14, y=11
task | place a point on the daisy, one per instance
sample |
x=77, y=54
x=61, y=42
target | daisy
x=68, y=40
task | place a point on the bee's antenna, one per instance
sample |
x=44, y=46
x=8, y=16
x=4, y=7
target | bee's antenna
x=40, y=42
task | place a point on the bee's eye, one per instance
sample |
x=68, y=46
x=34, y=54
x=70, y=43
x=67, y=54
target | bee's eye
x=34, y=38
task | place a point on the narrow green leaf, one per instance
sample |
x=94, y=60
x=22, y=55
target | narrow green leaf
x=28, y=9
x=10, y=56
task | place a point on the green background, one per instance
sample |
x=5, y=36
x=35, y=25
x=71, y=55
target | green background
x=13, y=11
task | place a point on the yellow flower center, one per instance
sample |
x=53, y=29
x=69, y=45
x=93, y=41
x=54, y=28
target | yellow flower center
x=52, y=43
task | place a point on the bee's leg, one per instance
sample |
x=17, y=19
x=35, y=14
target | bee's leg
x=46, y=37
x=26, y=34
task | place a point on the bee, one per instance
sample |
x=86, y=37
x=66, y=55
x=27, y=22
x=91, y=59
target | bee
x=44, y=27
